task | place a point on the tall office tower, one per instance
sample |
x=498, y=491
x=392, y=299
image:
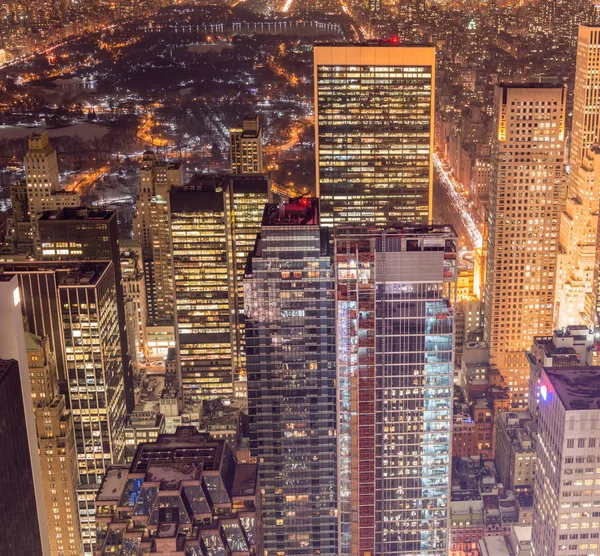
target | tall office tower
x=183, y=494
x=134, y=293
x=245, y=147
x=525, y=197
x=40, y=188
x=565, y=517
x=156, y=178
x=290, y=343
x=83, y=234
x=212, y=220
x=579, y=256
x=395, y=291
x=56, y=440
x=88, y=297
x=374, y=132
x=25, y=530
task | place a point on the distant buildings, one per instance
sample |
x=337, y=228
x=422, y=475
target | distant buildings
x=374, y=132
x=245, y=147
x=290, y=349
x=394, y=292
x=565, y=518
x=525, y=197
x=184, y=493
x=39, y=192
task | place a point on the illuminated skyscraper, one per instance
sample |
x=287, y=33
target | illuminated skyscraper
x=245, y=147
x=374, y=132
x=83, y=234
x=88, y=298
x=150, y=227
x=290, y=345
x=579, y=256
x=565, y=511
x=525, y=196
x=395, y=291
x=212, y=220
x=58, y=457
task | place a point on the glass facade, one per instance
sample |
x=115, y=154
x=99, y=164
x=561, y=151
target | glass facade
x=394, y=293
x=290, y=349
x=374, y=133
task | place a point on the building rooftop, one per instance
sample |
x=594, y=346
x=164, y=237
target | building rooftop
x=77, y=213
x=578, y=387
x=85, y=274
x=398, y=229
x=303, y=211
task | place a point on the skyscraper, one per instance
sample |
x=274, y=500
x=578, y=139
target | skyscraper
x=156, y=178
x=21, y=489
x=88, y=298
x=374, y=132
x=565, y=511
x=58, y=459
x=290, y=350
x=212, y=220
x=579, y=256
x=39, y=192
x=83, y=234
x=395, y=291
x=523, y=224
x=245, y=147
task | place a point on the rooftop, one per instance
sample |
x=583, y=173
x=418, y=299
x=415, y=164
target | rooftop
x=578, y=388
x=77, y=213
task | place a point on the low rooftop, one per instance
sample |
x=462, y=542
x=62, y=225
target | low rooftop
x=577, y=387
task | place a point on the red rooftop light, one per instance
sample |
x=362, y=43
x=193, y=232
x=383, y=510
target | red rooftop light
x=395, y=39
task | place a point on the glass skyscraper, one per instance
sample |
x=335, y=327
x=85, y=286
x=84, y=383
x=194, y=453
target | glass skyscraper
x=290, y=350
x=374, y=132
x=394, y=293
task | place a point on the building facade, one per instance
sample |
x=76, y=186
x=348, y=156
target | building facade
x=565, y=512
x=578, y=259
x=56, y=440
x=290, y=350
x=525, y=199
x=374, y=132
x=183, y=494
x=395, y=291
x=214, y=221
x=245, y=147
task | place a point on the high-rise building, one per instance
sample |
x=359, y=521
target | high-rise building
x=25, y=530
x=245, y=147
x=83, y=234
x=212, y=220
x=523, y=224
x=374, y=132
x=151, y=229
x=90, y=320
x=290, y=350
x=395, y=291
x=565, y=517
x=579, y=255
x=56, y=441
x=134, y=294
x=184, y=493
x=39, y=191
